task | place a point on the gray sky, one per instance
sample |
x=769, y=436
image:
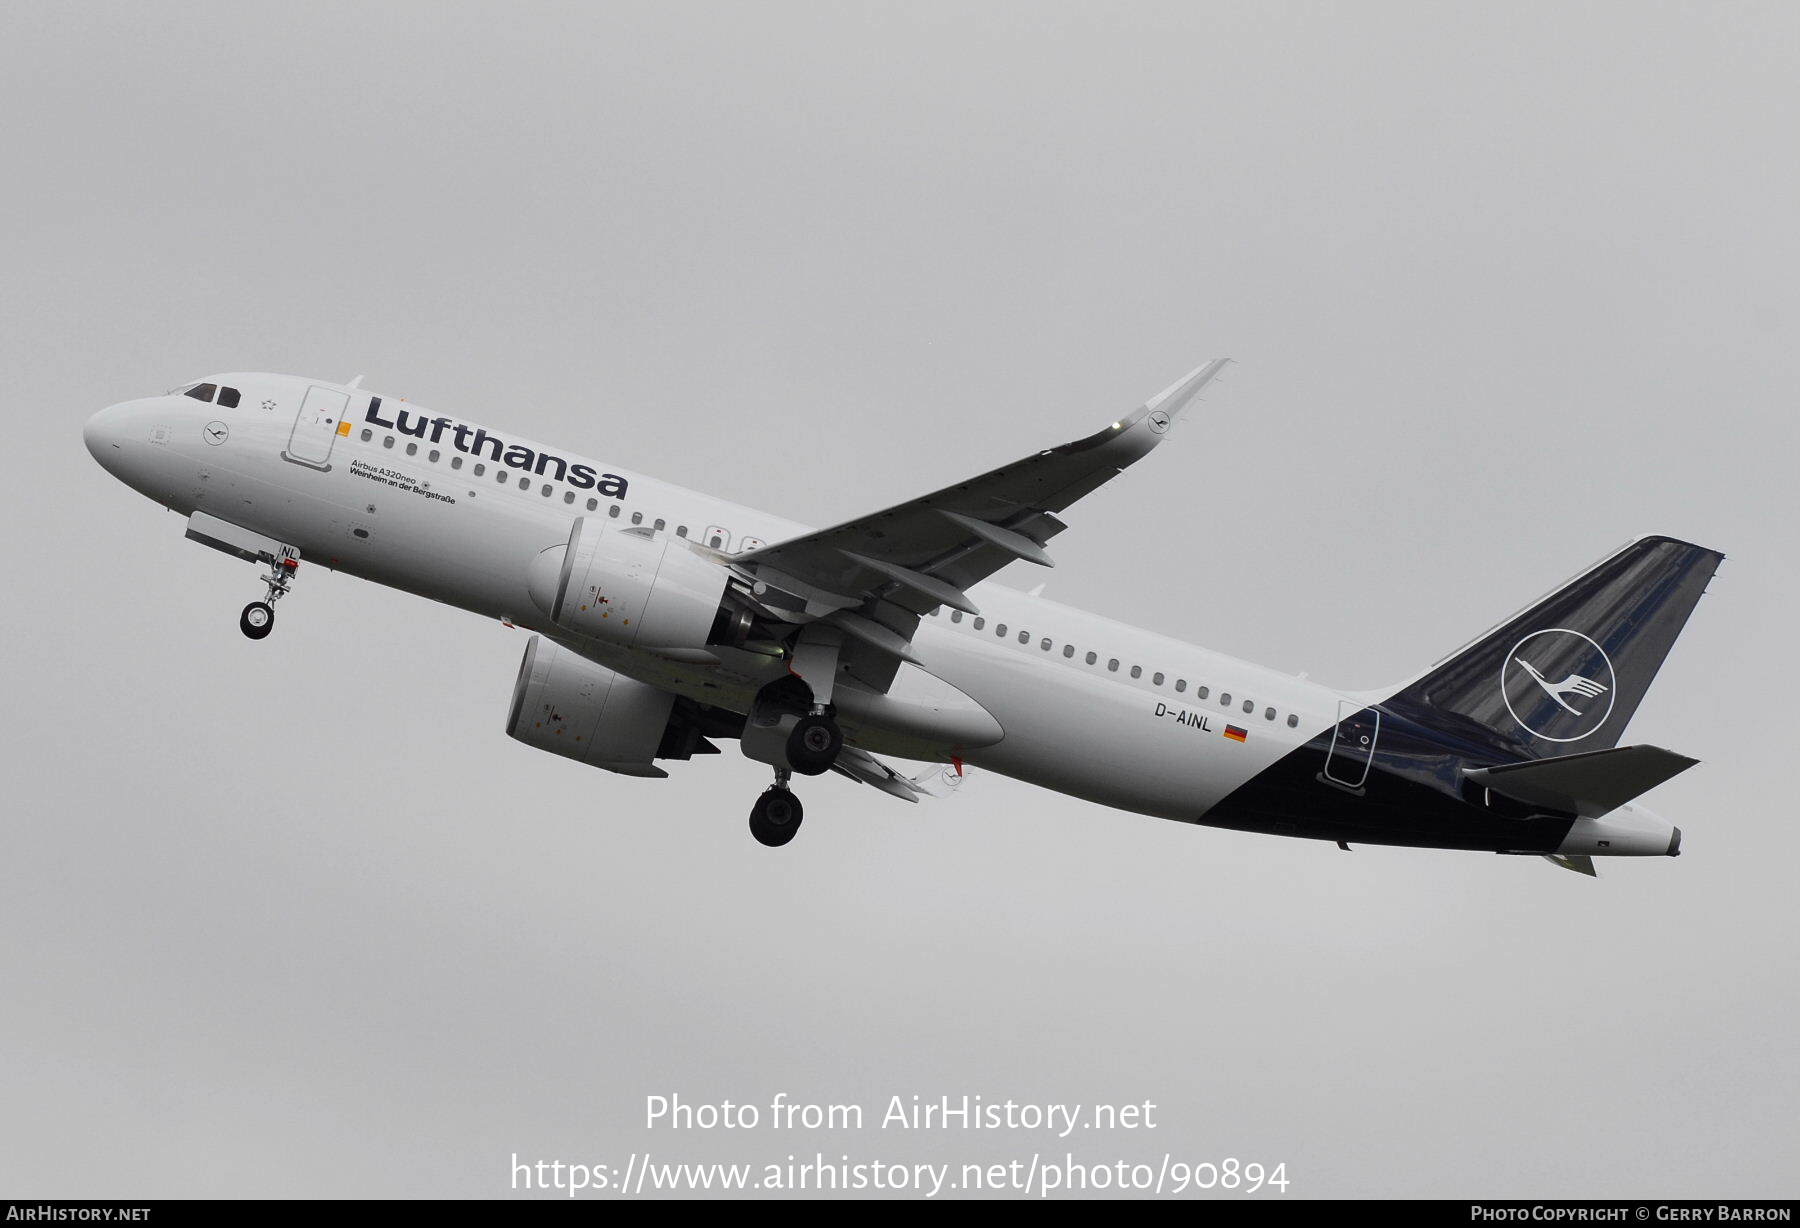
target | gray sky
x=1507, y=284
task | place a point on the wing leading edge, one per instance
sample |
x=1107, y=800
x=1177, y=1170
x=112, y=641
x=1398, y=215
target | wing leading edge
x=874, y=577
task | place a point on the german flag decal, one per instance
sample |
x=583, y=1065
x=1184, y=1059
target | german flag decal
x=1236, y=734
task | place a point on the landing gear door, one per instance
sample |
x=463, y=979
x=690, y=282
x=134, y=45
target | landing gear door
x=316, y=427
x=1353, y=745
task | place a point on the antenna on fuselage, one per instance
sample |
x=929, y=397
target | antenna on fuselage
x=354, y=384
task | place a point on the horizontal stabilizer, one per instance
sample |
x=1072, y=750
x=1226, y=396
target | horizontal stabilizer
x=1590, y=784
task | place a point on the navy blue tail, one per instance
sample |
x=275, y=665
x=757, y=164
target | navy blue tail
x=1567, y=674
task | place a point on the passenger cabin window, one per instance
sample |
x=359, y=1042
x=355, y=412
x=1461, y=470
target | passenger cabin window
x=228, y=397
x=1137, y=671
x=1068, y=650
x=202, y=392
x=1293, y=721
x=1181, y=684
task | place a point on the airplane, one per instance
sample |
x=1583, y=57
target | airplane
x=665, y=621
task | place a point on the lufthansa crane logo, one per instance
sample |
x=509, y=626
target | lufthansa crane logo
x=1574, y=684
x=1558, y=684
x=1159, y=421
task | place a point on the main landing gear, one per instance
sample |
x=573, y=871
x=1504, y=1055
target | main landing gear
x=812, y=747
x=777, y=813
x=792, y=727
x=258, y=618
x=813, y=744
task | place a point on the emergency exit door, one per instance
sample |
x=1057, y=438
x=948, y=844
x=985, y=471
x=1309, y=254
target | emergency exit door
x=1353, y=745
x=316, y=426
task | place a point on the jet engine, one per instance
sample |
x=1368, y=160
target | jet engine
x=636, y=588
x=576, y=708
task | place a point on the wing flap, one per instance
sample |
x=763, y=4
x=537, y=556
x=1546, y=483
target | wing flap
x=941, y=780
x=861, y=765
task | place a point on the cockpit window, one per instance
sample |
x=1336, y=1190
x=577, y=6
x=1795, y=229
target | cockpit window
x=202, y=392
x=228, y=397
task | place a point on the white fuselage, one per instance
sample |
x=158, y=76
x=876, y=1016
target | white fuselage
x=1093, y=708
x=1141, y=726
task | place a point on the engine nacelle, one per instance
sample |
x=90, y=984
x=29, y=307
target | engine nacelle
x=571, y=706
x=635, y=588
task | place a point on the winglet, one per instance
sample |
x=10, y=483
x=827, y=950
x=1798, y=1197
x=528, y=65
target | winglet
x=1578, y=862
x=1184, y=391
x=1132, y=437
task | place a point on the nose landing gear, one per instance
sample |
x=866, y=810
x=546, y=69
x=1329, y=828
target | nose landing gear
x=258, y=618
x=777, y=813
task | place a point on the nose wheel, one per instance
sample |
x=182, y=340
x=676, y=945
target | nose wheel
x=777, y=814
x=258, y=618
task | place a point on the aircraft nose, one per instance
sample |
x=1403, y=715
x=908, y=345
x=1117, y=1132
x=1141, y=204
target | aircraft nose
x=101, y=434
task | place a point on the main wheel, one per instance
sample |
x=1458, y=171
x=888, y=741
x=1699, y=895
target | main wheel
x=776, y=817
x=814, y=744
x=257, y=620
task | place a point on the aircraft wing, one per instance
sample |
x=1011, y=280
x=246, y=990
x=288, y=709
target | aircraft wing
x=941, y=780
x=876, y=576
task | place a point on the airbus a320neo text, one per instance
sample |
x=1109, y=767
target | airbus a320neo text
x=666, y=621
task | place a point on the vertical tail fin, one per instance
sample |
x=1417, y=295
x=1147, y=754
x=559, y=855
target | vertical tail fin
x=1567, y=673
